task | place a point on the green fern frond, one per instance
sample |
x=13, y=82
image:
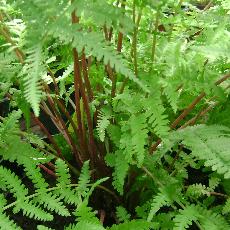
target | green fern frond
x=94, y=185
x=84, y=180
x=28, y=157
x=19, y=191
x=226, y=207
x=36, y=205
x=159, y=201
x=121, y=168
x=10, y=123
x=62, y=172
x=82, y=225
x=208, y=143
x=86, y=218
x=102, y=123
x=114, y=133
x=122, y=214
x=34, y=139
x=85, y=213
x=134, y=224
x=63, y=181
x=217, y=47
x=171, y=93
x=185, y=217
x=211, y=220
x=15, y=149
x=3, y=201
x=7, y=224
x=32, y=72
x=31, y=210
x=157, y=118
x=102, y=12
x=124, y=102
x=134, y=138
x=53, y=203
x=176, y=55
x=165, y=197
x=164, y=220
x=13, y=183
x=206, y=219
x=214, y=182
x=66, y=73
x=33, y=172
x=197, y=190
x=139, y=135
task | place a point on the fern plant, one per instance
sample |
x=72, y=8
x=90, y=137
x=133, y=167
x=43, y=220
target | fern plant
x=44, y=200
x=136, y=91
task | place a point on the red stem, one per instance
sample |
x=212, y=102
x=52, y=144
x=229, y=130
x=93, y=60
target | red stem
x=77, y=77
x=78, y=156
x=86, y=77
x=106, y=33
x=50, y=172
x=187, y=110
x=65, y=130
x=80, y=87
x=48, y=136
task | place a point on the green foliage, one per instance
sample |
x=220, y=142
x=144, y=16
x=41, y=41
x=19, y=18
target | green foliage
x=63, y=182
x=44, y=200
x=159, y=201
x=185, y=217
x=38, y=205
x=137, y=224
x=226, y=208
x=208, y=143
x=208, y=220
x=122, y=214
x=146, y=83
x=121, y=166
x=102, y=123
x=84, y=225
x=32, y=72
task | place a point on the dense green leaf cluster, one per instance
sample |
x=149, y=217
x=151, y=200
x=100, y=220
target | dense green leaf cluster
x=139, y=88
